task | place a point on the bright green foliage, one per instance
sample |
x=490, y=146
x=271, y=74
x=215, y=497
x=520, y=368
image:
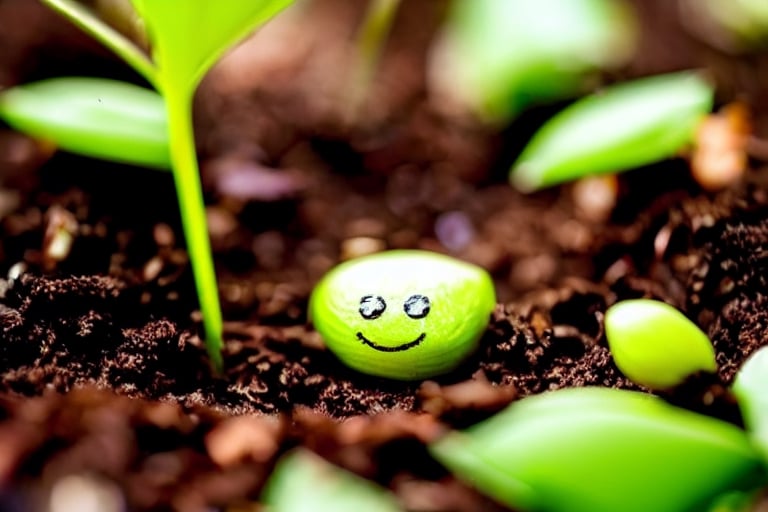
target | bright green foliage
x=92, y=116
x=186, y=39
x=403, y=314
x=745, y=21
x=655, y=345
x=624, y=126
x=751, y=390
x=304, y=482
x=505, y=54
x=600, y=450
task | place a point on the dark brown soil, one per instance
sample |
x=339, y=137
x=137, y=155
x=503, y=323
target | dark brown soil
x=104, y=376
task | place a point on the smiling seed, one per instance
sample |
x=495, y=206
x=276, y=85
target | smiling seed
x=403, y=314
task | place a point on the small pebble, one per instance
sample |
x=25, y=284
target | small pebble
x=454, y=230
x=361, y=246
x=243, y=438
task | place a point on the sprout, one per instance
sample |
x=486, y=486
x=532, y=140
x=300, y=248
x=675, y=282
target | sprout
x=403, y=314
x=600, y=450
x=186, y=40
x=622, y=127
x=303, y=482
x=655, y=345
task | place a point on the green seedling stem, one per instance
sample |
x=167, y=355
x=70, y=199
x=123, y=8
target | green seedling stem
x=371, y=39
x=190, y=197
x=109, y=37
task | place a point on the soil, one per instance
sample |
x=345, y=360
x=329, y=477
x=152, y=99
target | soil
x=106, y=386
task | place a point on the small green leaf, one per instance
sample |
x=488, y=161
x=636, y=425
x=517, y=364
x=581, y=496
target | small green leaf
x=751, y=390
x=502, y=55
x=655, y=345
x=624, y=126
x=188, y=39
x=303, y=482
x=600, y=450
x=93, y=117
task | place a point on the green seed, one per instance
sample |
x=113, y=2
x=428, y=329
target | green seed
x=623, y=127
x=655, y=345
x=600, y=450
x=403, y=314
x=304, y=482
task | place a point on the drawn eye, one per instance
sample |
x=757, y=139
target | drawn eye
x=416, y=306
x=372, y=306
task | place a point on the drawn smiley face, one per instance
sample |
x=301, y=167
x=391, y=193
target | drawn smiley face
x=402, y=314
x=373, y=306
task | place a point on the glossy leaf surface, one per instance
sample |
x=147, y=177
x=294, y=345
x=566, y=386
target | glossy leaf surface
x=188, y=38
x=93, y=117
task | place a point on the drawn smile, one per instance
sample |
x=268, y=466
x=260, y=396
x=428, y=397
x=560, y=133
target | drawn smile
x=398, y=348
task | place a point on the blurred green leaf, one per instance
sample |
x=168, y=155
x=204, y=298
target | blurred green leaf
x=733, y=25
x=624, y=126
x=304, y=482
x=92, y=116
x=502, y=55
x=601, y=450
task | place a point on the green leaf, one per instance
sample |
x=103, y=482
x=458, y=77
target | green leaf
x=745, y=22
x=506, y=54
x=601, y=450
x=624, y=126
x=93, y=117
x=655, y=345
x=304, y=482
x=188, y=38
